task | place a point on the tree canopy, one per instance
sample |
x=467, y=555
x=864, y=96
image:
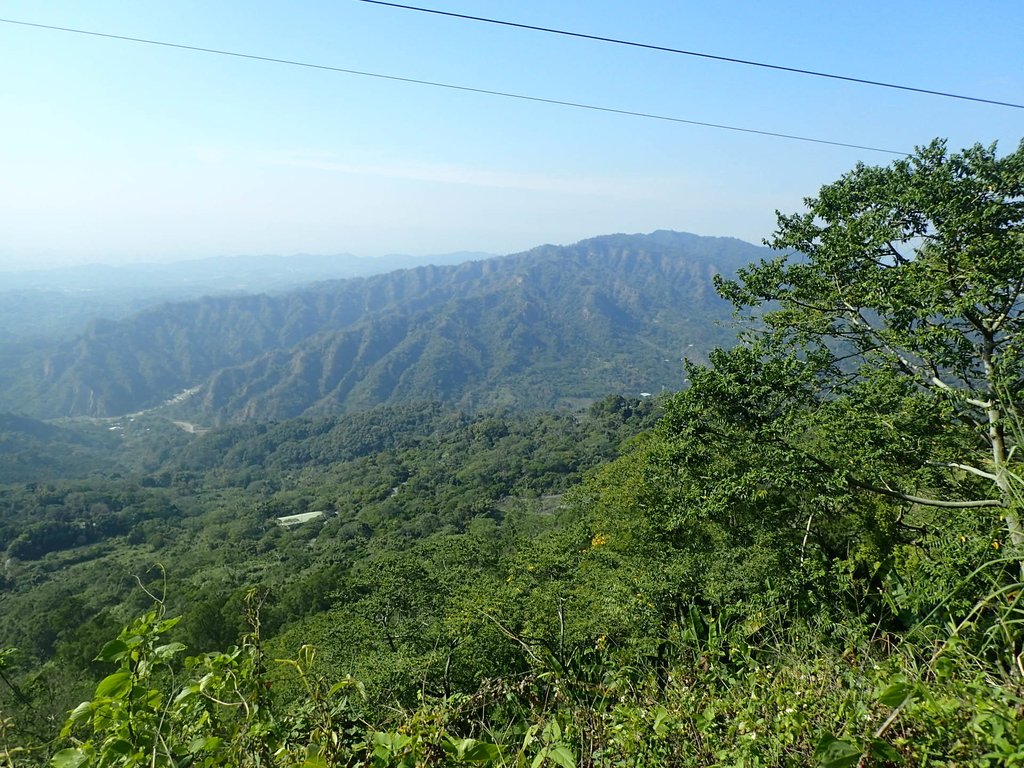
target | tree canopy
x=899, y=290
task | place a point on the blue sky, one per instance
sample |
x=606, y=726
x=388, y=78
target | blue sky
x=116, y=152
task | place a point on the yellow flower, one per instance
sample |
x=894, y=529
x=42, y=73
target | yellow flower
x=598, y=541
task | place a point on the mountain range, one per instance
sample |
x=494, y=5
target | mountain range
x=553, y=326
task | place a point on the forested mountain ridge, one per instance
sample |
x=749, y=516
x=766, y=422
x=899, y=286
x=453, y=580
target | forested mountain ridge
x=613, y=313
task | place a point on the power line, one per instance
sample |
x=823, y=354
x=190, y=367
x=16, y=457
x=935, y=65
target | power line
x=697, y=54
x=450, y=86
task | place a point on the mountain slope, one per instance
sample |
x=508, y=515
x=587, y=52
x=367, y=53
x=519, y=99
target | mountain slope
x=549, y=326
x=32, y=451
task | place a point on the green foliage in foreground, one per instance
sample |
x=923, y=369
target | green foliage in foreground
x=736, y=692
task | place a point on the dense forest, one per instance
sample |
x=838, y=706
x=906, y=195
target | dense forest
x=811, y=553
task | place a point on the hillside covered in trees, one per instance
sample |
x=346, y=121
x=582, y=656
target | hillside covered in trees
x=810, y=554
x=558, y=326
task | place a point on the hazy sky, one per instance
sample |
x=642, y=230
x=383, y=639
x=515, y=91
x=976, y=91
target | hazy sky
x=115, y=151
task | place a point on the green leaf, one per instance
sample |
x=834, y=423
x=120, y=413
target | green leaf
x=165, y=652
x=113, y=651
x=68, y=758
x=81, y=712
x=204, y=744
x=186, y=693
x=115, y=686
x=347, y=682
x=153, y=698
x=885, y=751
x=478, y=751
x=896, y=694
x=553, y=731
x=835, y=753
x=562, y=755
x=313, y=758
x=119, y=747
x=393, y=742
x=167, y=624
x=660, y=717
x=454, y=747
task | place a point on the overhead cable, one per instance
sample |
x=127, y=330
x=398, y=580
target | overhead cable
x=714, y=57
x=450, y=86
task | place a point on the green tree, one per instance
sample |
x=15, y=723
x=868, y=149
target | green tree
x=872, y=397
x=900, y=289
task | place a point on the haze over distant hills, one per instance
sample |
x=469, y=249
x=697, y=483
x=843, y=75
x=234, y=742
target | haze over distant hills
x=41, y=304
x=554, y=326
x=221, y=274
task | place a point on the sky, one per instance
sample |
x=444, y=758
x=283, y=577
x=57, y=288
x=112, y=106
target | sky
x=117, y=152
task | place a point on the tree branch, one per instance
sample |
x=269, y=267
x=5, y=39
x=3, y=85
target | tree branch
x=928, y=378
x=964, y=467
x=925, y=501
